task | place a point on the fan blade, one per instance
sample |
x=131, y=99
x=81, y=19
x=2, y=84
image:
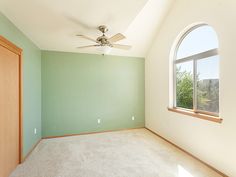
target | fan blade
x=88, y=46
x=120, y=46
x=86, y=37
x=116, y=38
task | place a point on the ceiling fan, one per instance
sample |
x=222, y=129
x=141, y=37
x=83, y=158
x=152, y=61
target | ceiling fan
x=104, y=41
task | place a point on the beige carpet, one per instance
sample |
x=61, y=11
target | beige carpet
x=132, y=153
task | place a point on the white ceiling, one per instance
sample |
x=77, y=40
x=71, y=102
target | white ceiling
x=53, y=24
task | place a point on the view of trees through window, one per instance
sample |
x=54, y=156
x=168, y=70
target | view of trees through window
x=184, y=85
x=208, y=84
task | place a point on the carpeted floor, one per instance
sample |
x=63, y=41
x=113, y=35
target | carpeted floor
x=131, y=153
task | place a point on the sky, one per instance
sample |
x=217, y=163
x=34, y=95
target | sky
x=199, y=40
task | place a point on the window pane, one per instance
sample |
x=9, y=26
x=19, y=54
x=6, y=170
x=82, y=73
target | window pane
x=208, y=84
x=184, y=85
x=199, y=40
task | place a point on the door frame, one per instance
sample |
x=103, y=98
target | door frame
x=13, y=48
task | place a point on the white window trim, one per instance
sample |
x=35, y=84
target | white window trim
x=194, y=58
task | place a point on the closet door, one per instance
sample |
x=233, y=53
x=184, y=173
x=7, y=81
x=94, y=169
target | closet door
x=9, y=110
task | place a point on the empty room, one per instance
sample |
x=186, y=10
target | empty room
x=108, y=88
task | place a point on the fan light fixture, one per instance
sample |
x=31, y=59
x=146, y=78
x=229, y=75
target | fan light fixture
x=104, y=49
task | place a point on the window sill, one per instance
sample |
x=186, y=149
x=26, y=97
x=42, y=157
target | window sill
x=197, y=115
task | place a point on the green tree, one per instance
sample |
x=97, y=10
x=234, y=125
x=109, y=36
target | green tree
x=184, y=89
x=207, y=92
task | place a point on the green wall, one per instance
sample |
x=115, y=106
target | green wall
x=31, y=82
x=78, y=89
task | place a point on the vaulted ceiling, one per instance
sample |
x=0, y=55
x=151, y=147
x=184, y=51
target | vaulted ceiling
x=53, y=24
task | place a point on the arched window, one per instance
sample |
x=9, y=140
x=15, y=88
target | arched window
x=196, y=71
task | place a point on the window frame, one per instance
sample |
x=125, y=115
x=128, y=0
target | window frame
x=194, y=58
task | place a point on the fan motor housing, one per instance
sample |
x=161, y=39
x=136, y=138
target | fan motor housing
x=103, y=40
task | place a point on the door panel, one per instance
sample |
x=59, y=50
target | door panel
x=9, y=111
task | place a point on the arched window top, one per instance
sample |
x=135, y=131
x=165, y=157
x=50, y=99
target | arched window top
x=198, y=39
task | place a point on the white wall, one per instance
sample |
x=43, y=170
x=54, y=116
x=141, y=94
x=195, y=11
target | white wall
x=212, y=142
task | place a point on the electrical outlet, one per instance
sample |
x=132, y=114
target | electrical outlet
x=133, y=117
x=99, y=121
x=35, y=131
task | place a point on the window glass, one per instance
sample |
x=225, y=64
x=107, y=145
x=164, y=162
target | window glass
x=201, y=39
x=184, y=85
x=208, y=84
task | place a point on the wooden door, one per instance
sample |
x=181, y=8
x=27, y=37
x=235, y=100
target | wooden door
x=10, y=107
